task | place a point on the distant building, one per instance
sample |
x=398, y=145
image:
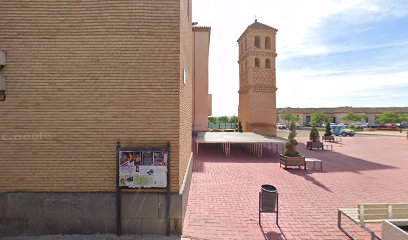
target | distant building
x=257, y=79
x=201, y=100
x=338, y=113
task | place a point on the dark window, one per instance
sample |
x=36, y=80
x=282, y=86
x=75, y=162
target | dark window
x=257, y=63
x=257, y=42
x=268, y=63
x=268, y=43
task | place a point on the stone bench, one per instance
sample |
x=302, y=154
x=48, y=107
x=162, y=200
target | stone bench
x=314, y=161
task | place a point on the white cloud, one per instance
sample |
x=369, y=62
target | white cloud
x=354, y=89
x=297, y=22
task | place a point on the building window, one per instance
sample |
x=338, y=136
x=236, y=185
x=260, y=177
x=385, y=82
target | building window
x=241, y=50
x=184, y=76
x=268, y=43
x=268, y=63
x=257, y=63
x=257, y=41
x=245, y=46
x=246, y=65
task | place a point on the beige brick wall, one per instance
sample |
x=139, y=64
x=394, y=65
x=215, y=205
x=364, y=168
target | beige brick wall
x=186, y=55
x=201, y=44
x=83, y=75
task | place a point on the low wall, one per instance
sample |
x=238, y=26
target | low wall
x=48, y=213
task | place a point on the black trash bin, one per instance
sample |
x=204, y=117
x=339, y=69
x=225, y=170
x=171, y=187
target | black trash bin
x=268, y=201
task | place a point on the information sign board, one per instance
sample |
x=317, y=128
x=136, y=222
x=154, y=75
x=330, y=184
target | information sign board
x=143, y=168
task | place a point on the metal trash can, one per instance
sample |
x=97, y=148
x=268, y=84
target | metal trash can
x=268, y=201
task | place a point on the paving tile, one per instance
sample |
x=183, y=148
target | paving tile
x=223, y=201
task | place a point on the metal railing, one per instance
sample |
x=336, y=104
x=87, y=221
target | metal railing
x=369, y=231
x=222, y=125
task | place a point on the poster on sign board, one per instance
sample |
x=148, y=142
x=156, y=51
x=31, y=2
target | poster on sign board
x=143, y=169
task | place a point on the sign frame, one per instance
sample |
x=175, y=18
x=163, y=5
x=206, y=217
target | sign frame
x=141, y=153
x=119, y=188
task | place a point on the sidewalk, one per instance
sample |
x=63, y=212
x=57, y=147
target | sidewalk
x=224, y=195
x=95, y=237
x=384, y=133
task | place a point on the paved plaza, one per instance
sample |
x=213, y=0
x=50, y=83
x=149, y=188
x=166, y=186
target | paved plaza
x=223, y=201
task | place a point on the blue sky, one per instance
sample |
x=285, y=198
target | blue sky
x=330, y=52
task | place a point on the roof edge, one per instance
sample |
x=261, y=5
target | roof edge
x=201, y=29
x=250, y=27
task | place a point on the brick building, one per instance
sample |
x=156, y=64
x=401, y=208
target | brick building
x=202, y=100
x=80, y=77
x=257, y=79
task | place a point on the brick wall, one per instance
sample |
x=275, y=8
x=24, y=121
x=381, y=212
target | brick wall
x=257, y=93
x=186, y=54
x=83, y=75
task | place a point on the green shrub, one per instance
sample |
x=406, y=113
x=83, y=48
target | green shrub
x=328, y=130
x=314, y=135
x=290, y=146
x=240, y=127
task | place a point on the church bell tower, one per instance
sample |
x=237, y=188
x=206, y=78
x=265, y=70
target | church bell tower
x=257, y=79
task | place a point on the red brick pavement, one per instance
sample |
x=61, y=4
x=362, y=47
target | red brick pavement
x=223, y=202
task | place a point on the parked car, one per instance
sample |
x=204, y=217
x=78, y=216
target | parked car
x=373, y=125
x=341, y=130
x=359, y=125
x=309, y=124
x=389, y=126
x=364, y=125
x=342, y=124
x=281, y=126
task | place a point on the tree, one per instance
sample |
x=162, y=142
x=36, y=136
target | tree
x=351, y=117
x=404, y=117
x=314, y=135
x=328, y=131
x=388, y=117
x=234, y=119
x=319, y=118
x=212, y=119
x=290, y=146
x=223, y=119
x=290, y=117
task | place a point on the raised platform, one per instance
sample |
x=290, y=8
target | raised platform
x=255, y=142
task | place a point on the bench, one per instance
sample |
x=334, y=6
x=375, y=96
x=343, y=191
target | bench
x=327, y=146
x=371, y=213
x=377, y=212
x=314, y=161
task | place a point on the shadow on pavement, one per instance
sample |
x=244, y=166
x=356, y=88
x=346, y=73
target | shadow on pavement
x=272, y=235
x=332, y=161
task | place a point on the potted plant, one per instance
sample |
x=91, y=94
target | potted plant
x=291, y=157
x=314, y=140
x=240, y=127
x=328, y=135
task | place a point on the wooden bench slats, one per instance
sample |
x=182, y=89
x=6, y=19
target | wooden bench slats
x=378, y=212
x=351, y=213
x=384, y=205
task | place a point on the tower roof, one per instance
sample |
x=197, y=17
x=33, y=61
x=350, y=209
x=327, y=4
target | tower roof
x=258, y=25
